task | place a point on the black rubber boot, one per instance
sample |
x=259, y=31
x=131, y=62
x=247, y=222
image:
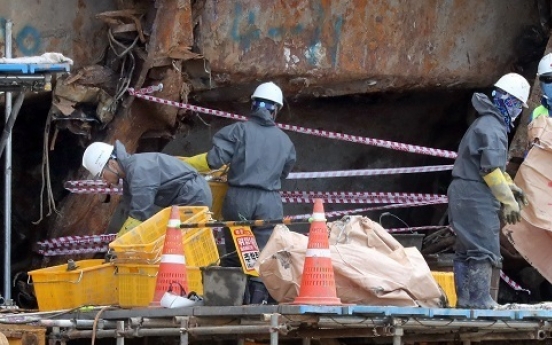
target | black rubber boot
x=256, y=293
x=461, y=283
x=480, y=272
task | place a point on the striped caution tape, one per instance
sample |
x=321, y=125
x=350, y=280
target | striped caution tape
x=297, y=175
x=102, y=248
x=75, y=241
x=86, y=183
x=316, y=132
x=336, y=214
x=95, y=190
x=367, y=172
x=512, y=283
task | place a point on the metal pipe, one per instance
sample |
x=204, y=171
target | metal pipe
x=10, y=122
x=101, y=324
x=274, y=329
x=7, y=178
x=162, y=332
x=397, y=336
x=184, y=335
x=120, y=328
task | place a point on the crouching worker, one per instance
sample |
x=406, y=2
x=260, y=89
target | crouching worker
x=259, y=156
x=150, y=180
x=481, y=191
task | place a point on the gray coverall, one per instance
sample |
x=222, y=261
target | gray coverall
x=473, y=210
x=156, y=180
x=260, y=156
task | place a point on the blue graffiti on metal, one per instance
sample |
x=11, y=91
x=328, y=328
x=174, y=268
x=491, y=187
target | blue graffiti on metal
x=245, y=31
x=27, y=39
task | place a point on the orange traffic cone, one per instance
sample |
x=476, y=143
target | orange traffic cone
x=172, y=268
x=318, y=282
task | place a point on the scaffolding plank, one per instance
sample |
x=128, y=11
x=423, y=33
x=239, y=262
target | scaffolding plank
x=391, y=311
x=450, y=313
x=493, y=314
x=235, y=310
x=310, y=309
x=32, y=68
x=544, y=315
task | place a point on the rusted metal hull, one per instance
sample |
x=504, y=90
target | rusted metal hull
x=326, y=48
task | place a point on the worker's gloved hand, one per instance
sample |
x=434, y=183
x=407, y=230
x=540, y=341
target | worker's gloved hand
x=518, y=192
x=509, y=214
x=199, y=162
x=128, y=225
x=496, y=181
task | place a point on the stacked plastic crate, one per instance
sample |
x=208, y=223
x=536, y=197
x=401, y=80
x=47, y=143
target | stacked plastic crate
x=138, y=252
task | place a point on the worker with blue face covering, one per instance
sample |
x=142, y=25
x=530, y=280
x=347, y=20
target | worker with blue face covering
x=481, y=190
x=544, y=73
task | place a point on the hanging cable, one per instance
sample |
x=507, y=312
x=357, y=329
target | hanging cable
x=45, y=173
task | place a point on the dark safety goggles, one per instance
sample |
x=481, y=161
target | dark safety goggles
x=546, y=79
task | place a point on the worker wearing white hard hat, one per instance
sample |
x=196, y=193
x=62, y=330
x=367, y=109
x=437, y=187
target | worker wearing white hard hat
x=481, y=190
x=544, y=73
x=259, y=156
x=151, y=180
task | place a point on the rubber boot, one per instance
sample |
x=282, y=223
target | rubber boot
x=480, y=272
x=256, y=293
x=461, y=283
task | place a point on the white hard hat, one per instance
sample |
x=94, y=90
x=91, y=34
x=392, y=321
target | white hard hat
x=515, y=85
x=95, y=157
x=270, y=92
x=545, y=66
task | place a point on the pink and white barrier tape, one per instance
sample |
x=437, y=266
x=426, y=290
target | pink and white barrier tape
x=367, y=172
x=74, y=241
x=300, y=175
x=316, y=132
x=103, y=248
x=512, y=283
x=95, y=190
x=335, y=214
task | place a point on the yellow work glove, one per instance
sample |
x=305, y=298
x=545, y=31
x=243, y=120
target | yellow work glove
x=199, y=162
x=128, y=225
x=519, y=195
x=510, y=211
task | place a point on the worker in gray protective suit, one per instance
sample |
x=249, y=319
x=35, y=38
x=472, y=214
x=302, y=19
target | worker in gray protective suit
x=150, y=180
x=259, y=156
x=481, y=190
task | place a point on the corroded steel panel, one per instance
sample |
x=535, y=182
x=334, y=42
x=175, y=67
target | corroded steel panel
x=362, y=45
x=173, y=26
x=64, y=26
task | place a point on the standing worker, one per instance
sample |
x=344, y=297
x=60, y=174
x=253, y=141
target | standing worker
x=150, y=180
x=259, y=156
x=544, y=73
x=480, y=186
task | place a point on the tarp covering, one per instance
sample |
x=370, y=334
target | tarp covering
x=370, y=266
x=532, y=237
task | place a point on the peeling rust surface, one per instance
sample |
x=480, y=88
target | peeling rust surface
x=360, y=45
x=173, y=26
x=67, y=27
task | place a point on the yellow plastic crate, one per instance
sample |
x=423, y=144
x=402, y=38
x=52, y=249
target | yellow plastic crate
x=92, y=283
x=145, y=234
x=144, y=244
x=446, y=281
x=199, y=245
x=218, y=190
x=136, y=283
